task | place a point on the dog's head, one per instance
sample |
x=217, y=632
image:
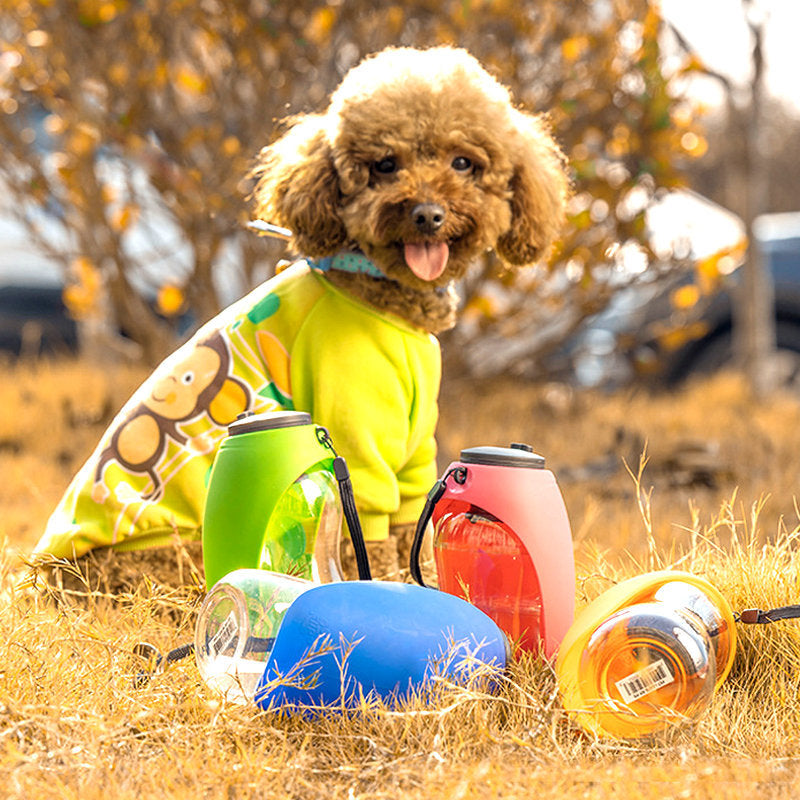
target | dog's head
x=422, y=162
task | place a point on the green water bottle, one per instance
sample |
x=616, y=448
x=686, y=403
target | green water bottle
x=272, y=500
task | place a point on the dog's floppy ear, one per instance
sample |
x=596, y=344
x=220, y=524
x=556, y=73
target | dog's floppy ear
x=298, y=187
x=539, y=190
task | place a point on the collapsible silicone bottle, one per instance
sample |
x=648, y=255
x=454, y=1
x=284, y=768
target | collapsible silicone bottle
x=339, y=642
x=502, y=540
x=236, y=628
x=272, y=500
x=647, y=653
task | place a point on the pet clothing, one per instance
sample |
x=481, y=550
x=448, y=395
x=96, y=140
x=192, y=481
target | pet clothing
x=295, y=342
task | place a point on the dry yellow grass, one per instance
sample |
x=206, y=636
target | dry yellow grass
x=73, y=725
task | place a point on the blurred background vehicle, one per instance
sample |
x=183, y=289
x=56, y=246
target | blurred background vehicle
x=33, y=317
x=778, y=238
x=645, y=336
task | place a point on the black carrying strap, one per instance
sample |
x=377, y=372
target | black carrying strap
x=342, y=474
x=459, y=475
x=756, y=616
x=158, y=663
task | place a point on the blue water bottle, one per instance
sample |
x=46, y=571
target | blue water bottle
x=340, y=641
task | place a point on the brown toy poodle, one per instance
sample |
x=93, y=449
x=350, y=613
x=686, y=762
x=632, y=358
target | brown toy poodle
x=420, y=163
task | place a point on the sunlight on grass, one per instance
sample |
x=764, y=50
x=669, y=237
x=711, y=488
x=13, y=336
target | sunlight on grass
x=73, y=723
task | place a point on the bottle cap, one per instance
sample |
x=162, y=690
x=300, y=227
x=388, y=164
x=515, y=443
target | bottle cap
x=247, y=423
x=515, y=456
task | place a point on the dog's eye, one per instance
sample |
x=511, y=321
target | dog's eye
x=462, y=164
x=386, y=166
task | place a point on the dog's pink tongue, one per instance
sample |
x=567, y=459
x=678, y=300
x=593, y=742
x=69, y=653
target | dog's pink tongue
x=428, y=259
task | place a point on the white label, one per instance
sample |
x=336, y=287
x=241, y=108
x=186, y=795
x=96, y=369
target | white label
x=646, y=680
x=224, y=636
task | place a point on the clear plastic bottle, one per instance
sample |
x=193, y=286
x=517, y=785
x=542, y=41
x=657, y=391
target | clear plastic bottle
x=237, y=626
x=646, y=663
x=646, y=653
x=302, y=534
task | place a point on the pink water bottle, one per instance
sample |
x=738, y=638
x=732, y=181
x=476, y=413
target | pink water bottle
x=502, y=541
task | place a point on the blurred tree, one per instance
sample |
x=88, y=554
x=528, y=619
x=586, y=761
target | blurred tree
x=128, y=128
x=754, y=314
x=755, y=131
x=717, y=174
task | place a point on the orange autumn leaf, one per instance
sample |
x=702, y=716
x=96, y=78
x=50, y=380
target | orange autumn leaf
x=170, y=299
x=685, y=297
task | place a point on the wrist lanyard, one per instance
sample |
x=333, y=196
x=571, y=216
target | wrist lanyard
x=756, y=616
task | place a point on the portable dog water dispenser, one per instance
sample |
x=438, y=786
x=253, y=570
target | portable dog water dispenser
x=502, y=540
x=272, y=500
x=288, y=643
x=339, y=642
x=648, y=652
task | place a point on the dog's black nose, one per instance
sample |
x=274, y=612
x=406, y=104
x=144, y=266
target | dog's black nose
x=428, y=217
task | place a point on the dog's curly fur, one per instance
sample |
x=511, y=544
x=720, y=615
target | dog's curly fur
x=423, y=110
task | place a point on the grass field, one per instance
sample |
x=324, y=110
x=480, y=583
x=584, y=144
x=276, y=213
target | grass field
x=716, y=497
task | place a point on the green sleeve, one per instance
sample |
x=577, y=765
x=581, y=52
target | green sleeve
x=374, y=386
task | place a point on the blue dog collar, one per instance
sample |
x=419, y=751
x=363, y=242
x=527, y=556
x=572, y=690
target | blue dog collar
x=346, y=262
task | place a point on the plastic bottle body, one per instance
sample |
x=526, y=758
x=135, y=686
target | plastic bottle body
x=646, y=665
x=647, y=653
x=272, y=502
x=237, y=626
x=522, y=519
x=480, y=559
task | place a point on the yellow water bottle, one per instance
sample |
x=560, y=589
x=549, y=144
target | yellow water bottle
x=646, y=654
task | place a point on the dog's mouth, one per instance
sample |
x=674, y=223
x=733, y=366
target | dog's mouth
x=427, y=260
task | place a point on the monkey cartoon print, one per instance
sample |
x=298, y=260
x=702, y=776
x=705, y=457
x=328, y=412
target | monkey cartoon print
x=195, y=385
x=147, y=476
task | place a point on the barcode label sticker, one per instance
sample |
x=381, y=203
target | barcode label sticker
x=224, y=636
x=646, y=680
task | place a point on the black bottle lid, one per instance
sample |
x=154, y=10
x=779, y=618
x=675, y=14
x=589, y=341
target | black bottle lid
x=517, y=455
x=248, y=421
